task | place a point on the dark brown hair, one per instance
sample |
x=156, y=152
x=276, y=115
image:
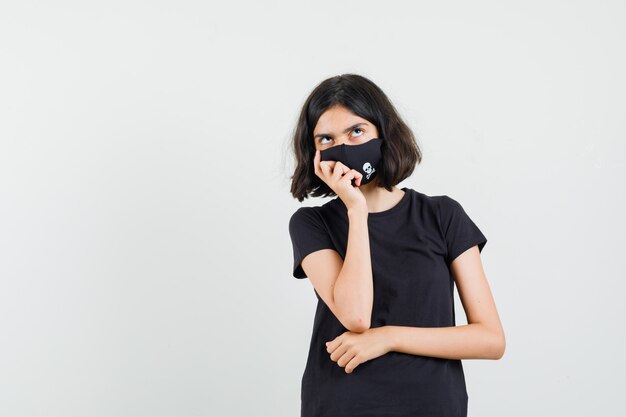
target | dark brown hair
x=365, y=99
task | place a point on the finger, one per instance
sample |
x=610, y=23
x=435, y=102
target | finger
x=354, y=362
x=338, y=352
x=344, y=167
x=333, y=345
x=358, y=179
x=339, y=170
x=328, y=163
x=319, y=165
x=326, y=169
x=346, y=358
x=316, y=161
x=352, y=174
x=357, y=174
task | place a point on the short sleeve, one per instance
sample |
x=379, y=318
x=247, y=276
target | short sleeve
x=459, y=230
x=308, y=234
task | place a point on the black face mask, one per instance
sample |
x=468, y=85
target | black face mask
x=364, y=158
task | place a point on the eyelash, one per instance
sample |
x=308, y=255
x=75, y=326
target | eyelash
x=324, y=137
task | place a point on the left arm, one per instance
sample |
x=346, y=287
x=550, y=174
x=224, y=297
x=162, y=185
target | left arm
x=483, y=336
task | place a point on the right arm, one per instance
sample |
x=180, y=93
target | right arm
x=346, y=286
x=354, y=288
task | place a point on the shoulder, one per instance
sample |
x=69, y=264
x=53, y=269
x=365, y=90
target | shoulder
x=438, y=203
x=306, y=218
x=449, y=209
x=443, y=207
x=447, y=204
x=301, y=214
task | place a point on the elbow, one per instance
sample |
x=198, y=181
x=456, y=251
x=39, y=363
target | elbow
x=498, y=346
x=354, y=321
x=358, y=325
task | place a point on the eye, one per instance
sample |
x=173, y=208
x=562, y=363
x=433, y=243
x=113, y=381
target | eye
x=354, y=130
x=321, y=139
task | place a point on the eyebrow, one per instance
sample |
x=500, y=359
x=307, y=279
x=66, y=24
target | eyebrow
x=345, y=130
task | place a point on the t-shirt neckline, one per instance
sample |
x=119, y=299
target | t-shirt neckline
x=399, y=205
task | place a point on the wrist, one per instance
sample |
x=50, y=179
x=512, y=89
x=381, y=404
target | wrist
x=358, y=212
x=390, y=337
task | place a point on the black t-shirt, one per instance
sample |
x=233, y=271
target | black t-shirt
x=411, y=247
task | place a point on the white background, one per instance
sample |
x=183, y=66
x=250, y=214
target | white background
x=145, y=261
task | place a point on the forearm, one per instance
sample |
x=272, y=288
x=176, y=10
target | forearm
x=470, y=341
x=354, y=288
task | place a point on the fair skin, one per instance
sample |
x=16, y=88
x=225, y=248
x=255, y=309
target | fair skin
x=346, y=285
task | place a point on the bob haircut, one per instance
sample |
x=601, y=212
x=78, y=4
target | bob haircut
x=400, y=152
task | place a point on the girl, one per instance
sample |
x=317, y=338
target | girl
x=383, y=262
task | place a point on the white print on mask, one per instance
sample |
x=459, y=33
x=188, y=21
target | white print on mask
x=367, y=167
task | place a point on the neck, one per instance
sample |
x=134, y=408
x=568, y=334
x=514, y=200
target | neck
x=378, y=198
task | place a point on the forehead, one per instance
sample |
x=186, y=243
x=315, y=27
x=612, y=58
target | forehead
x=337, y=118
